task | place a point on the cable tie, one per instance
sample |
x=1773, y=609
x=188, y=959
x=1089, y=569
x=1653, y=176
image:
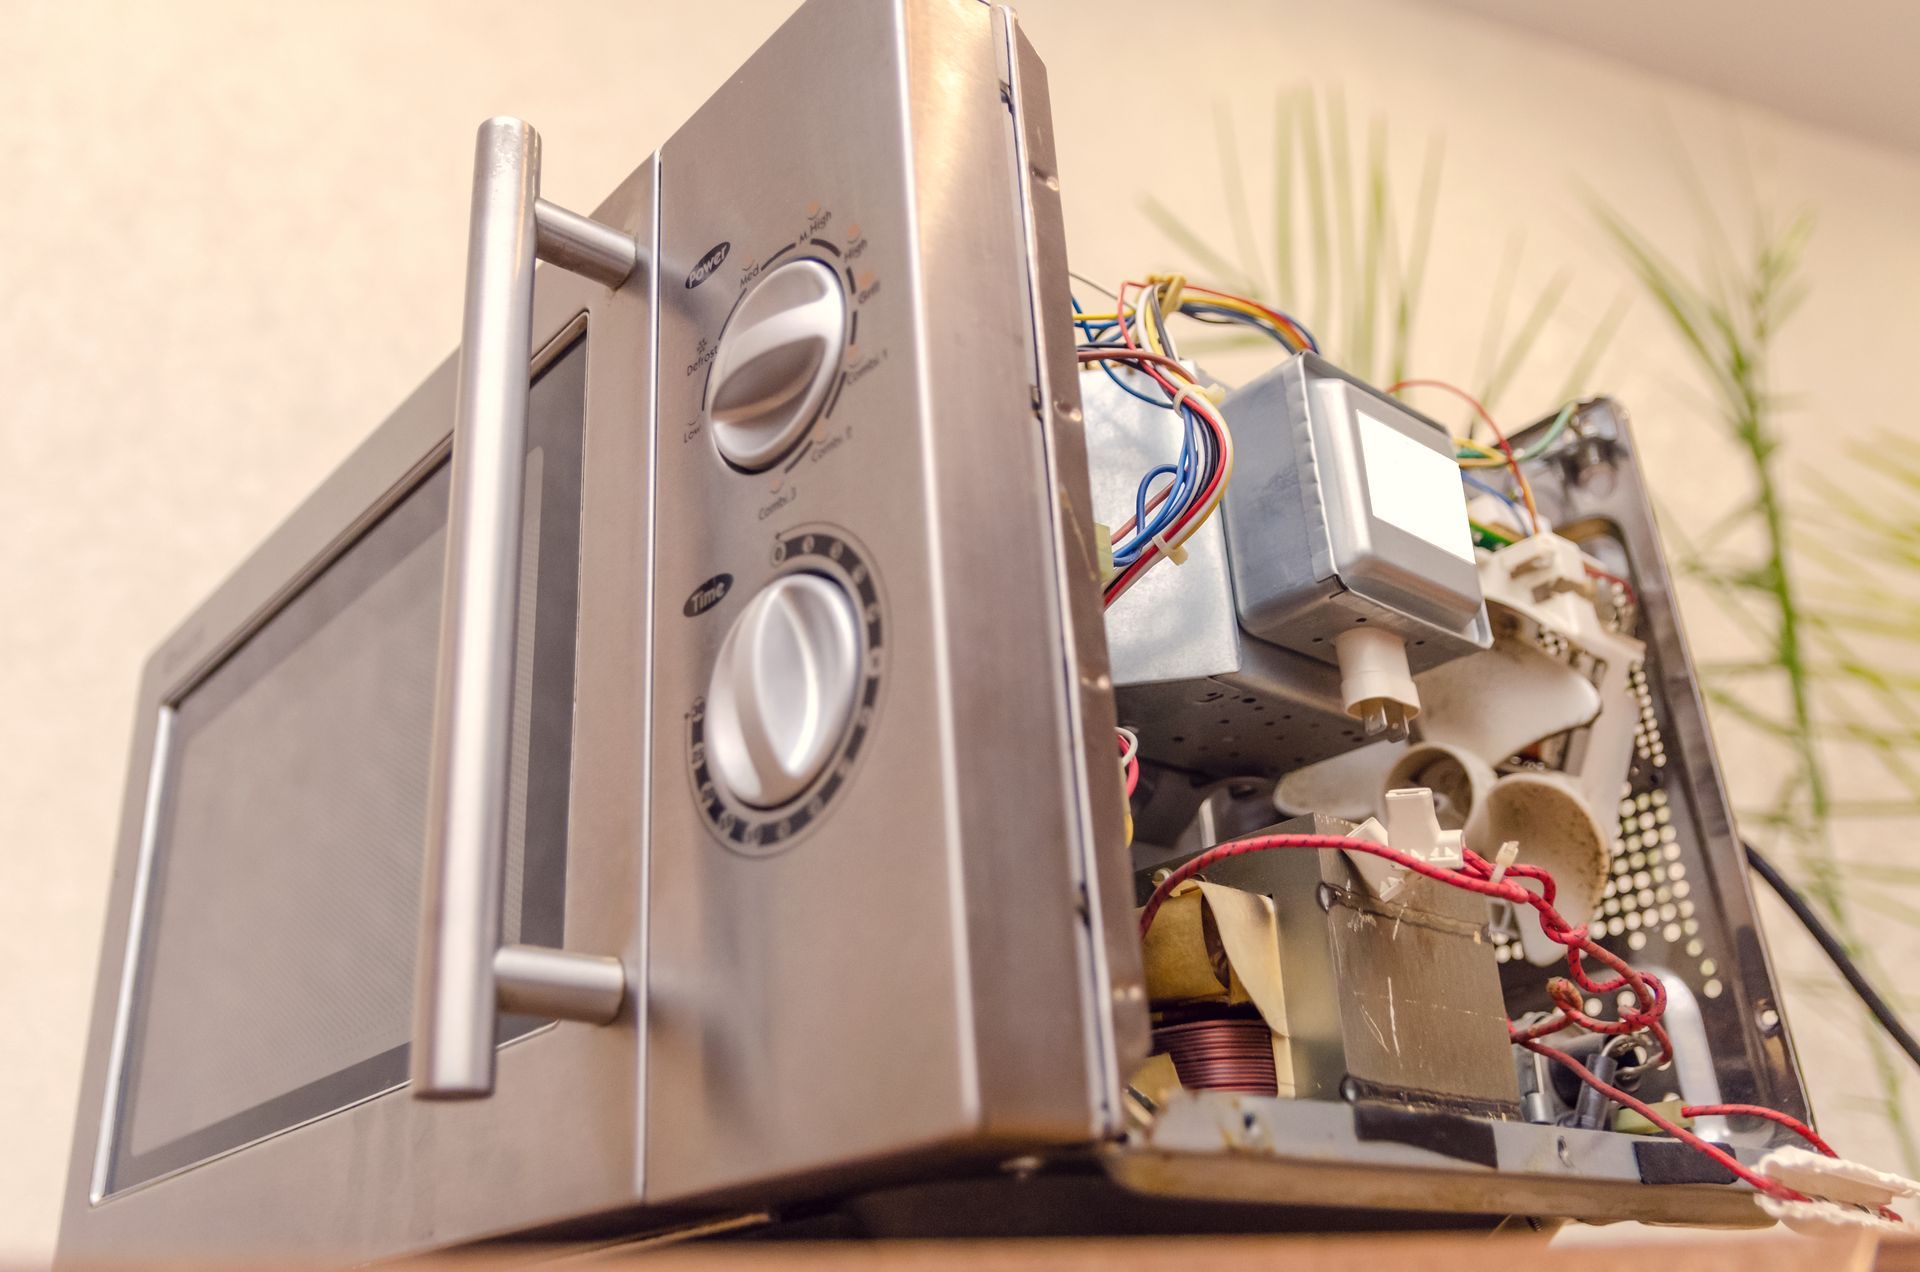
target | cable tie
x=1200, y=393
x=1174, y=285
x=1509, y=852
x=1174, y=552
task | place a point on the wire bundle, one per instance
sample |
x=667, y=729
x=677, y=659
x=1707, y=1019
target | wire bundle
x=1641, y=1016
x=1173, y=500
x=1472, y=454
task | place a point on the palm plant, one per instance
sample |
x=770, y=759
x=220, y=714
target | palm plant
x=1339, y=248
x=1806, y=606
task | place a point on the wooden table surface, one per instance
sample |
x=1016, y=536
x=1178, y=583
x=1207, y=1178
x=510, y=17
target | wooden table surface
x=1771, y=1251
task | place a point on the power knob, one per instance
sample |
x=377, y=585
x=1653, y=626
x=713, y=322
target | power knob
x=783, y=689
x=775, y=361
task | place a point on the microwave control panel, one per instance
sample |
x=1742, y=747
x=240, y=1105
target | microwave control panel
x=868, y=838
x=789, y=465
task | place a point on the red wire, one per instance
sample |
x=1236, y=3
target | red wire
x=1793, y=1124
x=1633, y=597
x=1760, y=1183
x=1132, y=768
x=1127, y=577
x=1120, y=314
x=1499, y=436
x=1476, y=876
x=1650, y=998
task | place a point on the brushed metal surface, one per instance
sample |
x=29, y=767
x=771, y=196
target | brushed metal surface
x=910, y=968
x=582, y=245
x=1311, y=1152
x=456, y=996
x=1203, y=694
x=393, y=1174
x=1310, y=555
x=1104, y=866
x=589, y=988
x=939, y=966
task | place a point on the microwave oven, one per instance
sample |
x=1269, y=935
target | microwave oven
x=723, y=620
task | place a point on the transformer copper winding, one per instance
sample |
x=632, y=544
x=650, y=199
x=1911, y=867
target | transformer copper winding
x=1221, y=1053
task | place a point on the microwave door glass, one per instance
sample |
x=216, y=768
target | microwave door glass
x=275, y=974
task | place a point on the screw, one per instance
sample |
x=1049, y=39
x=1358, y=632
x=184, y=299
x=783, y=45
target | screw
x=1022, y=1167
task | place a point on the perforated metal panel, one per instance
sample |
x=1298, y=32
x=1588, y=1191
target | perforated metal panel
x=1677, y=900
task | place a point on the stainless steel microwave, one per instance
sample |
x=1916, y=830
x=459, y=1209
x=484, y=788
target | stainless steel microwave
x=786, y=405
x=724, y=621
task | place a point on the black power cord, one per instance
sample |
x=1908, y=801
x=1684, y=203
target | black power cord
x=1817, y=927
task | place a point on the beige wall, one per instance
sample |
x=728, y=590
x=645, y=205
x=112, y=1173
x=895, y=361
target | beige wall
x=230, y=241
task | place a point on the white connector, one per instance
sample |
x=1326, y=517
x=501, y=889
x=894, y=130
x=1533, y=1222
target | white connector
x=1376, y=685
x=1413, y=827
x=1843, y=1196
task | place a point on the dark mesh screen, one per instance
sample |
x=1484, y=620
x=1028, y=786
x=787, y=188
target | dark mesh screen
x=275, y=982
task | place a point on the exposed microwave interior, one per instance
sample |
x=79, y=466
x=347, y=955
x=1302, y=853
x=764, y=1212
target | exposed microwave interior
x=961, y=769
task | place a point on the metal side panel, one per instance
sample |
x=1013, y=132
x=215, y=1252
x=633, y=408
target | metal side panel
x=1118, y=1002
x=898, y=966
x=560, y=1137
x=1223, y=1146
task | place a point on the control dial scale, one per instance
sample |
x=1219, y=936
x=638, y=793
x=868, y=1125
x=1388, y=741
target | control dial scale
x=775, y=362
x=791, y=696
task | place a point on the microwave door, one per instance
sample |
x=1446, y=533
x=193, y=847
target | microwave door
x=255, y=1008
x=881, y=837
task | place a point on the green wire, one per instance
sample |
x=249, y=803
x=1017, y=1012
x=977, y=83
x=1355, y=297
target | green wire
x=1540, y=447
x=1489, y=538
x=1554, y=430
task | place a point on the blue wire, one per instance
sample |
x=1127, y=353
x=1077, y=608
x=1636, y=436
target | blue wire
x=1145, y=527
x=1185, y=472
x=1130, y=390
x=1108, y=367
x=1179, y=498
x=1201, y=306
x=1484, y=488
x=1140, y=511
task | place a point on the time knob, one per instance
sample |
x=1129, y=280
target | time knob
x=775, y=361
x=783, y=689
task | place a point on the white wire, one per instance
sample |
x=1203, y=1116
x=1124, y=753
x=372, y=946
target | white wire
x=1132, y=740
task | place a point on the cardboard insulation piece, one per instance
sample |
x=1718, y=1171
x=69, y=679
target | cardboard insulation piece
x=1214, y=943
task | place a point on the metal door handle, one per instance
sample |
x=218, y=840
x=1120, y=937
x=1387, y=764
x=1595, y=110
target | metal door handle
x=464, y=976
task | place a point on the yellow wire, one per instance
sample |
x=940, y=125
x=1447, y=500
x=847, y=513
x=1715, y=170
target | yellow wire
x=1207, y=404
x=1487, y=457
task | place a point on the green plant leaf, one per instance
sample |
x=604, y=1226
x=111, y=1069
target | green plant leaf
x=1196, y=247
